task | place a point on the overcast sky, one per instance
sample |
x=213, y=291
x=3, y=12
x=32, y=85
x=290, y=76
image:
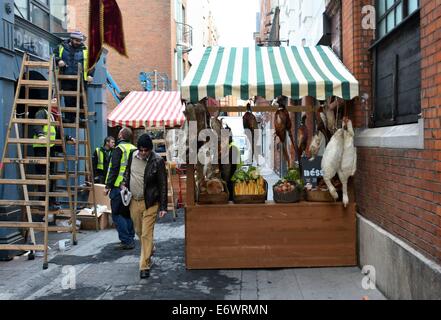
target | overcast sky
x=236, y=21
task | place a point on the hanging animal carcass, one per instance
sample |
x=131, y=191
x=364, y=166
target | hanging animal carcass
x=348, y=164
x=331, y=161
x=283, y=125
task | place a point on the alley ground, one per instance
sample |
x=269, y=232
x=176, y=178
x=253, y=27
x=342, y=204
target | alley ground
x=101, y=272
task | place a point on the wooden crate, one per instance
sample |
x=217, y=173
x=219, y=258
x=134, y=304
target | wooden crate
x=273, y=235
x=175, y=182
x=251, y=199
x=319, y=196
x=221, y=198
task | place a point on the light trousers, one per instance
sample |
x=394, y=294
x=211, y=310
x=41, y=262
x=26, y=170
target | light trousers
x=144, y=222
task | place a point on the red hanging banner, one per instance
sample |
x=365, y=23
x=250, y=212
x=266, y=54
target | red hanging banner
x=105, y=26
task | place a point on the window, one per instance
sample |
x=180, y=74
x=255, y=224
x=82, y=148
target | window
x=40, y=17
x=390, y=13
x=397, y=64
x=58, y=15
x=21, y=8
x=49, y=15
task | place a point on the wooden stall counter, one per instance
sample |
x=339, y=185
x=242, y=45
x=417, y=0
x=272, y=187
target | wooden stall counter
x=270, y=235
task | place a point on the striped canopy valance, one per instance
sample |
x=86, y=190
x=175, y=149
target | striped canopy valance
x=149, y=109
x=269, y=72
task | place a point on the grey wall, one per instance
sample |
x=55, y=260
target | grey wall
x=400, y=271
x=97, y=103
x=8, y=73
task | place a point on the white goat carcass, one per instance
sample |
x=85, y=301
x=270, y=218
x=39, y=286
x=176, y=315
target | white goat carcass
x=331, y=161
x=349, y=160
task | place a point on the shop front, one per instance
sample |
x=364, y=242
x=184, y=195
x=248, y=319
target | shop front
x=20, y=31
x=36, y=28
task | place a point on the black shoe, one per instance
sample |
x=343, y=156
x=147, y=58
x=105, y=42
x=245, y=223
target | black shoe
x=144, y=274
x=128, y=246
x=119, y=246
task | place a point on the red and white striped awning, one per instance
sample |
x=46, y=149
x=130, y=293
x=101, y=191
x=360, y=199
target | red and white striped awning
x=149, y=109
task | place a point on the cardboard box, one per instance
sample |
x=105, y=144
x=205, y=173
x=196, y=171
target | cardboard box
x=104, y=213
x=101, y=199
x=88, y=220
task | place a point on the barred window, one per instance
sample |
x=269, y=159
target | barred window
x=397, y=63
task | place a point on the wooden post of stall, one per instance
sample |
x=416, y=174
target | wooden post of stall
x=309, y=101
x=190, y=186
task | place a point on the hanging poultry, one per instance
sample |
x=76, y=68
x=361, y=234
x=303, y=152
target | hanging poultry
x=314, y=148
x=250, y=123
x=282, y=125
x=302, y=136
x=331, y=161
x=348, y=164
x=322, y=124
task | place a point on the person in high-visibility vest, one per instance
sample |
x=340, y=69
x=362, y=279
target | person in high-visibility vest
x=68, y=55
x=101, y=160
x=115, y=176
x=41, y=133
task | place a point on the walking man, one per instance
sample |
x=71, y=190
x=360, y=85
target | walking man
x=101, y=160
x=146, y=179
x=117, y=168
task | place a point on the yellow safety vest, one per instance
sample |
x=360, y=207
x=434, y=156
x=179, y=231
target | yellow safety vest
x=45, y=130
x=85, y=61
x=100, y=154
x=126, y=148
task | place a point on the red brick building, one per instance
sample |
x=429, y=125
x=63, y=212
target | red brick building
x=398, y=182
x=393, y=49
x=153, y=34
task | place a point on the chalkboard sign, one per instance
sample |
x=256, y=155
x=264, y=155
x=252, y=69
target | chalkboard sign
x=312, y=170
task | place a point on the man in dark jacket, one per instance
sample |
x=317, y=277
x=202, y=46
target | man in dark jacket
x=117, y=168
x=101, y=160
x=68, y=55
x=146, y=179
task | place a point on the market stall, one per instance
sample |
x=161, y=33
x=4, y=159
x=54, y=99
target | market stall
x=268, y=234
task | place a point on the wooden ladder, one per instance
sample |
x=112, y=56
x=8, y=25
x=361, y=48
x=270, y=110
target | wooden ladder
x=82, y=158
x=18, y=134
x=172, y=203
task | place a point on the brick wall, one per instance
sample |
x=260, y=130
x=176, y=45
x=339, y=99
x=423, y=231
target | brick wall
x=150, y=39
x=356, y=43
x=400, y=189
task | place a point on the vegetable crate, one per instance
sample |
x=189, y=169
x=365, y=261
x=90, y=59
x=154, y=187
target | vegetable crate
x=251, y=192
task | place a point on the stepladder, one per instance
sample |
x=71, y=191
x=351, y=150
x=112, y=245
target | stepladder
x=75, y=117
x=33, y=150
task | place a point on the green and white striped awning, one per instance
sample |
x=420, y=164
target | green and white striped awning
x=269, y=72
